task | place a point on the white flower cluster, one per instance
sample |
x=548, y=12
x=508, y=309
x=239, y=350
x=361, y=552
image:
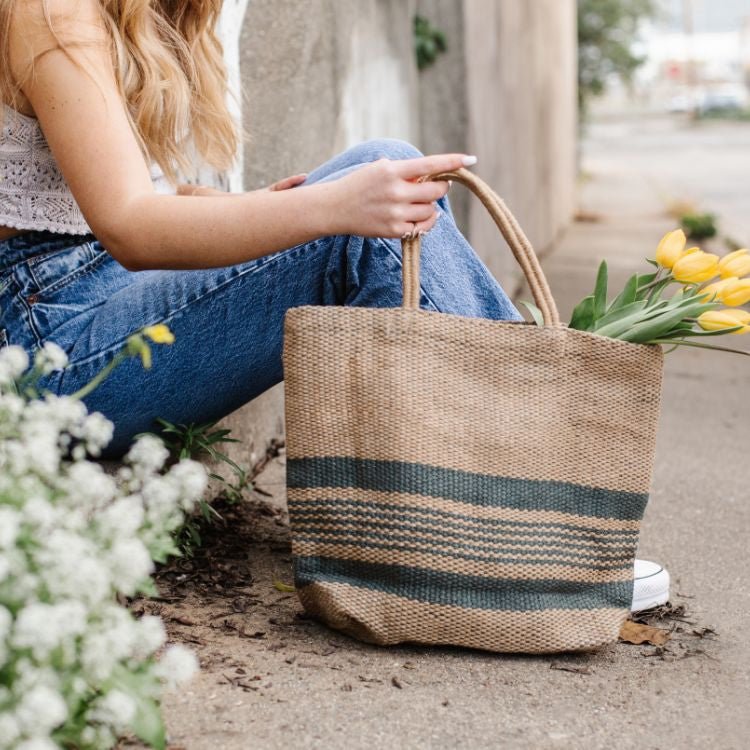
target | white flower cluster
x=76, y=668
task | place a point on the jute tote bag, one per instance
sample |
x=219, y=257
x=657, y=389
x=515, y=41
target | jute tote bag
x=465, y=481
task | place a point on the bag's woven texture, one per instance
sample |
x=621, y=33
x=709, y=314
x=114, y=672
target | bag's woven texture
x=464, y=481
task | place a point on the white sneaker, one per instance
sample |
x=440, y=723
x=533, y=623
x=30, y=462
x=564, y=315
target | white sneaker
x=651, y=585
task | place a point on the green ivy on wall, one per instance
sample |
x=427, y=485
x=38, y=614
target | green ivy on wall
x=429, y=42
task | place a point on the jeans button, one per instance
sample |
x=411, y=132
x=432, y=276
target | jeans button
x=32, y=299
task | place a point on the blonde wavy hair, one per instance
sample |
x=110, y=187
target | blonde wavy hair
x=170, y=71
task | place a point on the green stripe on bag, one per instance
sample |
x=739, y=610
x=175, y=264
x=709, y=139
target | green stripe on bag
x=464, y=486
x=338, y=504
x=470, y=592
x=369, y=536
x=361, y=540
x=407, y=517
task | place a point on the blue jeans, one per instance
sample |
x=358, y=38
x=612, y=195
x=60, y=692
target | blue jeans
x=228, y=321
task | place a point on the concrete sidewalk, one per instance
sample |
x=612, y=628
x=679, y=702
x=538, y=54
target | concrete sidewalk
x=271, y=680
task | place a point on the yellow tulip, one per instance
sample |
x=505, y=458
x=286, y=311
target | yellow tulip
x=670, y=248
x=720, y=320
x=159, y=334
x=736, y=292
x=735, y=264
x=695, y=267
x=713, y=292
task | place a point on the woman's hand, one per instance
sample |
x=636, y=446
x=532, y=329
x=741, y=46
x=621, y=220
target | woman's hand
x=385, y=199
x=285, y=184
x=199, y=190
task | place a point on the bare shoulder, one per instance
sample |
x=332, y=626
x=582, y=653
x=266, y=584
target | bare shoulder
x=41, y=26
x=63, y=51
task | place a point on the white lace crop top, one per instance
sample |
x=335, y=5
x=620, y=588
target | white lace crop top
x=33, y=192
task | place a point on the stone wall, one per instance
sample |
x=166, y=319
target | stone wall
x=505, y=91
x=321, y=75
x=522, y=111
x=317, y=76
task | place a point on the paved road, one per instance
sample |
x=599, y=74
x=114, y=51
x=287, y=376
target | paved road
x=698, y=522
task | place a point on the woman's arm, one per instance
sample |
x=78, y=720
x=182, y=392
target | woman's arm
x=76, y=100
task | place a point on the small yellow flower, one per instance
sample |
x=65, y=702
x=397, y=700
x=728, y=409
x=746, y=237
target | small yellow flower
x=159, y=334
x=695, y=267
x=671, y=248
x=145, y=353
x=720, y=320
x=713, y=292
x=735, y=264
x=736, y=292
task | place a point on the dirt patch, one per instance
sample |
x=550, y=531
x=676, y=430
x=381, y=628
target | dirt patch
x=687, y=636
x=223, y=601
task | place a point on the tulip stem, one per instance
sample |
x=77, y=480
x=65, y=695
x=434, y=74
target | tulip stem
x=656, y=285
x=657, y=280
x=696, y=345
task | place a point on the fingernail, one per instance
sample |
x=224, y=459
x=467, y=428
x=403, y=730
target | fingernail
x=469, y=161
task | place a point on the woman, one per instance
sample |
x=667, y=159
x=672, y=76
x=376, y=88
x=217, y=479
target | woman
x=207, y=264
x=100, y=100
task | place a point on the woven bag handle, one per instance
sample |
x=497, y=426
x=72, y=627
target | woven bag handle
x=511, y=231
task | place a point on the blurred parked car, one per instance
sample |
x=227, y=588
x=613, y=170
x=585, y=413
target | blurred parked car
x=723, y=100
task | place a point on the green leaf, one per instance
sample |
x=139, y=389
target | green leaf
x=147, y=587
x=583, y=315
x=643, y=288
x=536, y=313
x=209, y=512
x=625, y=320
x=148, y=725
x=204, y=426
x=654, y=293
x=218, y=455
x=281, y=586
x=684, y=300
x=627, y=296
x=693, y=332
x=216, y=438
x=600, y=291
x=658, y=325
x=619, y=313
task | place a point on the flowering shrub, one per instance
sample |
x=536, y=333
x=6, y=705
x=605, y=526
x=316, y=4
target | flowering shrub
x=77, y=669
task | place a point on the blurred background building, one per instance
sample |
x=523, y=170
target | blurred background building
x=696, y=60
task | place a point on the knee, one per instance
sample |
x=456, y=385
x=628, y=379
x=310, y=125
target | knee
x=385, y=148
